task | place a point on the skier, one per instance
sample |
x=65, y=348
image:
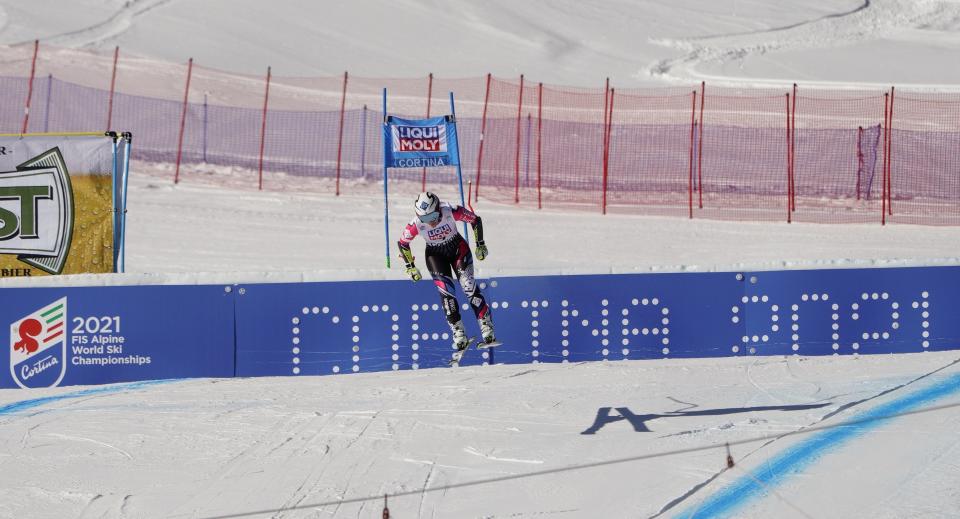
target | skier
x=436, y=222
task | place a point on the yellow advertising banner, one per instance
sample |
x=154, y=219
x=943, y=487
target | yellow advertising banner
x=56, y=204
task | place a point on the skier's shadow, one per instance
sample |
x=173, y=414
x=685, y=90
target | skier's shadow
x=639, y=421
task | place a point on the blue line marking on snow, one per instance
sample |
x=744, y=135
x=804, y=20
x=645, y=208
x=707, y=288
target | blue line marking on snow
x=15, y=407
x=795, y=459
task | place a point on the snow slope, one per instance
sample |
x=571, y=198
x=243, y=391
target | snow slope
x=241, y=235
x=569, y=42
x=461, y=443
x=498, y=441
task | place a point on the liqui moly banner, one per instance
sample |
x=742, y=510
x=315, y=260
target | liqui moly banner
x=416, y=143
x=56, y=205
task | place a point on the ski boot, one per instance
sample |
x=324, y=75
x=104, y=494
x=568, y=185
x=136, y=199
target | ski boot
x=460, y=342
x=460, y=339
x=486, y=329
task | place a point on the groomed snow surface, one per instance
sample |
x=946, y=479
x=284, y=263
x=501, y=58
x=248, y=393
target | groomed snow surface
x=497, y=441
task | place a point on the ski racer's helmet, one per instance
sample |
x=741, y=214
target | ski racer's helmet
x=427, y=207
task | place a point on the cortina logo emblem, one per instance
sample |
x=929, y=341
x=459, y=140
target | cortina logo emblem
x=36, y=212
x=38, y=346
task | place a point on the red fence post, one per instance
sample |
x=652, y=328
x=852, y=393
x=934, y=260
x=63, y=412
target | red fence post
x=183, y=120
x=343, y=105
x=890, y=155
x=793, y=151
x=263, y=131
x=539, y=134
x=483, y=129
x=606, y=153
x=33, y=72
x=789, y=154
x=429, y=96
x=886, y=159
x=703, y=101
x=46, y=113
x=113, y=83
x=693, y=115
x=603, y=150
x=859, y=158
x=516, y=161
x=606, y=103
x=789, y=190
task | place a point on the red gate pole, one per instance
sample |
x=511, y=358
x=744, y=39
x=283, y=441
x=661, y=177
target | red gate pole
x=469, y=194
x=263, y=130
x=890, y=154
x=33, y=72
x=606, y=153
x=113, y=83
x=343, y=105
x=183, y=121
x=859, y=157
x=693, y=115
x=886, y=159
x=483, y=129
x=789, y=190
x=539, y=134
x=793, y=151
x=703, y=101
x=423, y=182
x=516, y=161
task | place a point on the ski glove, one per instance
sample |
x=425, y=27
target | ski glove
x=413, y=272
x=407, y=256
x=482, y=251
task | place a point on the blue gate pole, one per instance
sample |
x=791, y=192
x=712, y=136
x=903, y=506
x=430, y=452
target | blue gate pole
x=363, y=143
x=128, y=140
x=463, y=203
x=386, y=205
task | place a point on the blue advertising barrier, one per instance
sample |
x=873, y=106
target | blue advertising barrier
x=339, y=327
x=98, y=335
x=880, y=310
x=326, y=328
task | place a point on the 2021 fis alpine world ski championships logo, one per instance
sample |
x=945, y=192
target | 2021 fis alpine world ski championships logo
x=37, y=213
x=38, y=346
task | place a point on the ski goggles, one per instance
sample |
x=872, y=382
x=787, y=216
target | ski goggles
x=430, y=218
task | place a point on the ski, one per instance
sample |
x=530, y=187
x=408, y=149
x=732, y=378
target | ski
x=457, y=355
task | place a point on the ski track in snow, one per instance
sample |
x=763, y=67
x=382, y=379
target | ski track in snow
x=116, y=24
x=873, y=19
x=475, y=452
x=759, y=450
x=91, y=440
